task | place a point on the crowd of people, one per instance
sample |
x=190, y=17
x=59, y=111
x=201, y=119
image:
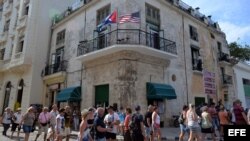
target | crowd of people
x=198, y=122
x=105, y=123
x=94, y=124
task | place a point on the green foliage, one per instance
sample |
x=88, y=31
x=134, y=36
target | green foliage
x=240, y=52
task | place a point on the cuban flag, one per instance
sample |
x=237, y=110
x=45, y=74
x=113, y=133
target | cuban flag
x=110, y=19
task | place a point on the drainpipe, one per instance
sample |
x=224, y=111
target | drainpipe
x=185, y=63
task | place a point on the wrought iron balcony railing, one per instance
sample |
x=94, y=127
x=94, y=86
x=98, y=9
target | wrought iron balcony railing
x=127, y=36
x=227, y=79
x=54, y=68
x=223, y=57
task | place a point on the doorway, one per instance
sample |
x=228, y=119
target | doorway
x=6, y=96
x=102, y=95
x=19, y=94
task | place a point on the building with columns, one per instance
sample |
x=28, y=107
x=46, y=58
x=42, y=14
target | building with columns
x=24, y=41
x=175, y=55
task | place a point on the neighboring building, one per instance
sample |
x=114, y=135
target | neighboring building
x=24, y=39
x=242, y=83
x=174, y=56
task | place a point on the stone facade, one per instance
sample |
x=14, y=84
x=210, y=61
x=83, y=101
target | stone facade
x=127, y=70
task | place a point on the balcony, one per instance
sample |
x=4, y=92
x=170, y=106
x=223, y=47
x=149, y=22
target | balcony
x=127, y=39
x=227, y=79
x=55, y=68
x=223, y=57
x=22, y=22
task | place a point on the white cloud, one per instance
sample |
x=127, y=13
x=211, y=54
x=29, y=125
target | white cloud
x=235, y=32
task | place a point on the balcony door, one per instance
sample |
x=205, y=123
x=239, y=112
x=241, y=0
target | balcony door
x=57, y=58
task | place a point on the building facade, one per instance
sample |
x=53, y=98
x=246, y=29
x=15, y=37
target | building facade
x=24, y=39
x=175, y=55
x=242, y=83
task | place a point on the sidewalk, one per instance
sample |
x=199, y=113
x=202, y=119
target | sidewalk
x=168, y=134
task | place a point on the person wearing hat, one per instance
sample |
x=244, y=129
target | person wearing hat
x=112, y=121
x=17, y=117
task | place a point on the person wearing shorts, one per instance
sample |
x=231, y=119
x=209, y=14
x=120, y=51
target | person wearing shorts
x=28, y=121
x=17, y=119
x=183, y=127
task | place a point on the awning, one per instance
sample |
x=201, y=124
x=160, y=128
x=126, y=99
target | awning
x=160, y=91
x=69, y=94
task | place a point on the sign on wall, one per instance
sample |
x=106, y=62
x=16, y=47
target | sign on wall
x=209, y=82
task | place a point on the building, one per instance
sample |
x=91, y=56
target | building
x=24, y=40
x=242, y=83
x=175, y=55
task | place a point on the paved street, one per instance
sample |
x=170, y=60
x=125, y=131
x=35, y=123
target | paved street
x=168, y=134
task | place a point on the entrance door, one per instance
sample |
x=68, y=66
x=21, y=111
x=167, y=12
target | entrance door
x=102, y=95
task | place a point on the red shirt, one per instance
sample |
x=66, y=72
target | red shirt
x=126, y=122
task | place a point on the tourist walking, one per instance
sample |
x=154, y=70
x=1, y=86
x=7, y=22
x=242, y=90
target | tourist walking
x=156, y=123
x=53, y=114
x=148, y=123
x=84, y=133
x=17, y=117
x=6, y=121
x=112, y=121
x=68, y=118
x=240, y=116
x=127, y=136
x=60, y=125
x=44, y=122
x=224, y=120
x=137, y=126
x=100, y=127
x=27, y=122
x=193, y=125
x=122, y=116
x=206, y=124
x=183, y=123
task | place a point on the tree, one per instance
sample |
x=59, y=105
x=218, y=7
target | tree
x=239, y=52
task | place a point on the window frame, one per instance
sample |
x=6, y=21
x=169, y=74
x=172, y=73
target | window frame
x=193, y=32
x=102, y=13
x=60, y=37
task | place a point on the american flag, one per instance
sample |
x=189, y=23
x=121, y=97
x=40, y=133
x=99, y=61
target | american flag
x=133, y=18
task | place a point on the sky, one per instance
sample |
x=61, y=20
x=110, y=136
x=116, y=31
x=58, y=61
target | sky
x=233, y=17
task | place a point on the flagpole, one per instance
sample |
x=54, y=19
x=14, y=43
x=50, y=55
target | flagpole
x=117, y=28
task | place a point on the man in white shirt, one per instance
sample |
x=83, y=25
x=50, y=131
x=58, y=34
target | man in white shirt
x=112, y=121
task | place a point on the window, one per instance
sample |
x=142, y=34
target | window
x=60, y=37
x=26, y=11
x=102, y=13
x=153, y=15
x=193, y=33
x=20, y=45
x=6, y=26
x=196, y=59
x=219, y=46
x=2, y=51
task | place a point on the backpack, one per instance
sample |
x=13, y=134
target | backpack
x=135, y=123
x=181, y=119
